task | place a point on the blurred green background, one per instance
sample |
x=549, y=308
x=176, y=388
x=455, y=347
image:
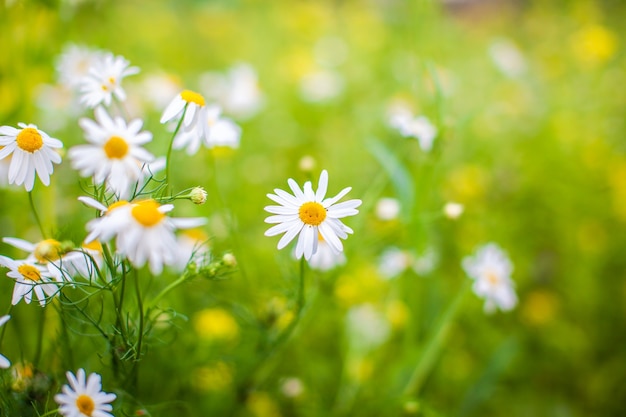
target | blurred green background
x=533, y=146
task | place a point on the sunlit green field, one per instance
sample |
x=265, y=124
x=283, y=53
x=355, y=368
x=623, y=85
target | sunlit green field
x=529, y=107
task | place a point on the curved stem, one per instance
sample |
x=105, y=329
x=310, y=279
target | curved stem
x=4, y=328
x=40, y=329
x=166, y=290
x=34, y=210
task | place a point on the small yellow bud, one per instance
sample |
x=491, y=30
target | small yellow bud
x=229, y=260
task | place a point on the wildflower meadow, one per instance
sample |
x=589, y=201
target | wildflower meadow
x=312, y=208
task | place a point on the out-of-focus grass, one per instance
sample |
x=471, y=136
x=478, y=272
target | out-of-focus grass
x=538, y=160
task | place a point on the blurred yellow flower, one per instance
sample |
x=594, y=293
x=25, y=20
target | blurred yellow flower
x=261, y=404
x=216, y=324
x=216, y=377
x=467, y=183
x=539, y=307
x=360, y=286
x=593, y=45
x=398, y=314
x=360, y=369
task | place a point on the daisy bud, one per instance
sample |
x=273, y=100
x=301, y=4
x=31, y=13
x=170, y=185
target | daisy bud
x=229, y=260
x=198, y=195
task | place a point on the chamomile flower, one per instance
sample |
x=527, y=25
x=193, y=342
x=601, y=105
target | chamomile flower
x=491, y=269
x=84, y=398
x=114, y=155
x=400, y=118
x=74, y=63
x=191, y=106
x=146, y=234
x=4, y=362
x=104, y=80
x=31, y=151
x=30, y=278
x=326, y=258
x=219, y=131
x=307, y=214
x=48, y=252
x=105, y=227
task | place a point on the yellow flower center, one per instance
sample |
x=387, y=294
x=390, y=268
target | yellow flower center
x=29, y=140
x=117, y=204
x=147, y=213
x=492, y=277
x=116, y=147
x=94, y=245
x=85, y=404
x=192, y=97
x=48, y=250
x=29, y=272
x=312, y=213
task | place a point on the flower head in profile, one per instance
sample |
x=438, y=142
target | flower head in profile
x=114, y=155
x=491, y=269
x=104, y=80
x=145, y=234
x=219, y=131
x=308, y=214
x=31, y=151
x=4, y=362
x=30, y=279
x=105, y=227
x=189, y=105
x=400, y=117
x=54, y=255
x=84, y=397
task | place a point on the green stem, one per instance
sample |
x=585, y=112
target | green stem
x=49, y=413
x=141, y=316
x=434, y=345
x=34, y=210
x=168, y=156
x=165, y=291
x=40, y=329
x=4, y=328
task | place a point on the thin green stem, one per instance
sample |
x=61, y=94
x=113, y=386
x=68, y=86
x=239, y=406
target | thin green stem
x=40, y=329
x=34, y=210
x=4, y=328
x=50, y=413
x=152, y=303
x=434, y=345
x=141, y=316
x=168, y=156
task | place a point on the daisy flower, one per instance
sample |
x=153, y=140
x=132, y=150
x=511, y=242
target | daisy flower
x=400, y=118
x=29, y=278
x=31, y=150
x=491, y=269
x=73, y=64
x=146, y=234
x=104, y=80
x=308, y=214
x=48, y=252
x=326, y=258
x=219, y=131
x=4, y=362
x=84, y=398
x=114, y=155
x=107, y=226
x=192, y=106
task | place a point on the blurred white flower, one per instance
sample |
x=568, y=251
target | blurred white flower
x=308, y=214
x=237, y=91
x=114, y=155
x=57, y=106
x=4, y=362
x=321, y=86
x=387, y=208
x=159, y=88
x=74, y=63
x=104, y=80
x=401, y=118
x=30, y=279
x=218, y=131
x=330, y=51
x=425, y=263
x=31, y=151
x=453, y=210
x=326, y=258
x=491, y=269
x=507, y=57
x=292, y=387
x=5, y=163
x=84, y=397
x=393, y=262
x=366, y=328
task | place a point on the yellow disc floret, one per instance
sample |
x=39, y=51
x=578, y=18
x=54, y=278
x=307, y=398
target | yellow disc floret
x=147, y=213
x=29, y=272
x=29, y=140
x=85, y=404
x=192, y=97
x=48, y=250
x=312, y=213
x=116, y=147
